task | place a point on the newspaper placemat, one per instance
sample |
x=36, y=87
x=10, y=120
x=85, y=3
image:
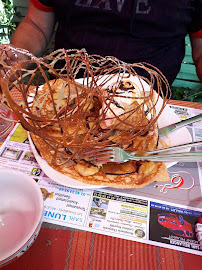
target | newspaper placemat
x=162, y=214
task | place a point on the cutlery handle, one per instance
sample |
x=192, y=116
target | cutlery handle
x=185, y=157
x=189, y=121
x=173, y=127
x=176, y=147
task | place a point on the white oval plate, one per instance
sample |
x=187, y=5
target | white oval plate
x=167, y=117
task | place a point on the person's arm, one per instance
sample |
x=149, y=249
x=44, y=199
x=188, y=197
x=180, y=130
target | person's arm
x=33, y=34
x=35, y=31
x=196, y=43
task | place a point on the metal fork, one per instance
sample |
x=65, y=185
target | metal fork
x=118, y=155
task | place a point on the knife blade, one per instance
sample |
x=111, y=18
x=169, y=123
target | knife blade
x=173, y=127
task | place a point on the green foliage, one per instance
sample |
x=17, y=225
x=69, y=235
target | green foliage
x=187, y=94
x=7, y=26
x=6, y=15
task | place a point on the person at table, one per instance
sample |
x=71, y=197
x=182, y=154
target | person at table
x=133, y=30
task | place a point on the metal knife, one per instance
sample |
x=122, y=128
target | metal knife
x=173, y=127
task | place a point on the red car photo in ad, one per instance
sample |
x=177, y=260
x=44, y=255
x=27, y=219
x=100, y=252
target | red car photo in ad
x=176, y=224
x=173, y=225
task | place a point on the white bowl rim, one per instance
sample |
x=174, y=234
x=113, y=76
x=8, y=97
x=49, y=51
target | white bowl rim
x=37, y=222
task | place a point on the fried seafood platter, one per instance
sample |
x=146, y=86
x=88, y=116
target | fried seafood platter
x=89, y=103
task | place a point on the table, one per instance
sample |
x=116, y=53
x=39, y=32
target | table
x=63, y=248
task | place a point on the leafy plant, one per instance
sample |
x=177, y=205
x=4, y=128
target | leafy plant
x=7, y=26
x=187, y=94
x=7, y=14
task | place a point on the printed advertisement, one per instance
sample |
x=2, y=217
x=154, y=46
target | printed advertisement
x=118, y=214
x=63, y=205
x=173, y=225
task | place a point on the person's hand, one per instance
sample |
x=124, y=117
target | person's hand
x=199, y=68
x=196, y=44
x=9, y=57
